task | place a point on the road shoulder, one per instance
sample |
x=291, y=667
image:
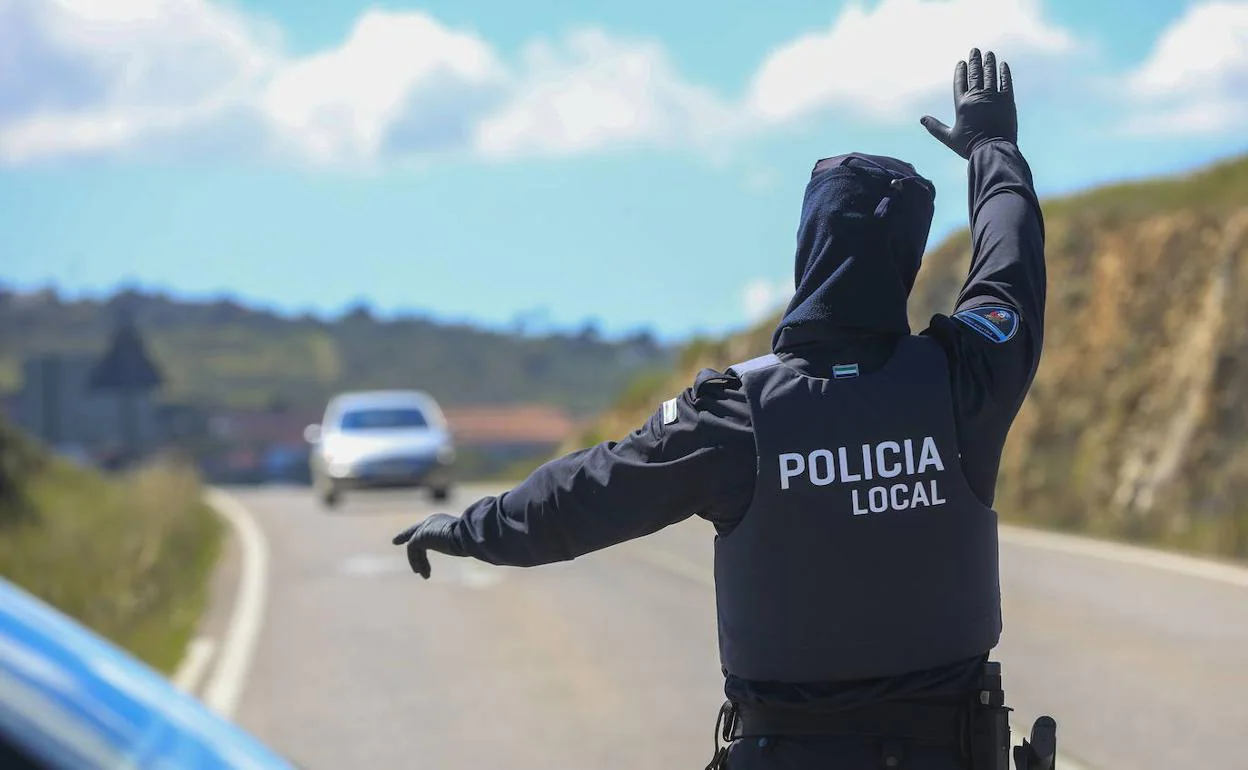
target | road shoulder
x=216, y=661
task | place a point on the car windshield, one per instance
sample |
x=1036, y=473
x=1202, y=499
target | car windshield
x=380, y=419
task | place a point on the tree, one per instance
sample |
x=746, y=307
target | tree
x=359, y=312
x=589, y=332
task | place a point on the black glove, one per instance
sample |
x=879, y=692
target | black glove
x=983, y=106
x=436, y=533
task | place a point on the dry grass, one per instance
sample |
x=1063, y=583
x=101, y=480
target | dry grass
x=127, y=556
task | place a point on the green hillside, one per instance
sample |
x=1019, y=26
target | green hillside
x=225, y=353
x=1135, y=427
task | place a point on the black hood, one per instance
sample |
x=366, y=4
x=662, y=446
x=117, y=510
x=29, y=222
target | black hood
x=865, y=222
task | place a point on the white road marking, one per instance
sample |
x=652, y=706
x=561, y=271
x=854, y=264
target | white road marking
x=445, y=570
x=679, y=565
x=475, y=575
x=194, y=664
x=225, y=687
x=1127, y=554
x=370, y=565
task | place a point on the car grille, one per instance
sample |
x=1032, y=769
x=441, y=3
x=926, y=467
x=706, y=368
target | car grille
x=396, y=466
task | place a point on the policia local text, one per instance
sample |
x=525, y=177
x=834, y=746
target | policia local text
x=885, y=460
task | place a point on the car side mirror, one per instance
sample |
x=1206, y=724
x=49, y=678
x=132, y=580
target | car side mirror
x=312, y=434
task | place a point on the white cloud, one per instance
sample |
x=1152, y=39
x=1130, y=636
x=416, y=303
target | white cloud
x=346, y=103
x=1195, y=80
x=884, y=60
x=84, y=76
x=761, y=297
x=599, y=91
x=192, y=78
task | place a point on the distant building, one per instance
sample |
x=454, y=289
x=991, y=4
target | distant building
x=492, y=437
x=523, y=427
x=269, y=444
x=102, y=405
x=262, y=427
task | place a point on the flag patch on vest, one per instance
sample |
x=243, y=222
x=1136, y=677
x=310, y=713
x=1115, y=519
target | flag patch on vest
x=995, y=322
x=844, y=371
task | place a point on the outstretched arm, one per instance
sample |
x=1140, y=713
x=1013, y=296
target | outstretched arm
x=689, y=458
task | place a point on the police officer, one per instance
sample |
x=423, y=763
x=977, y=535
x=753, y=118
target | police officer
x=849, y=474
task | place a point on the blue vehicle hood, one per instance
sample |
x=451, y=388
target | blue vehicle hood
x=75, y=700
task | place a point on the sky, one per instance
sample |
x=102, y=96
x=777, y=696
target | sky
x=639, y=165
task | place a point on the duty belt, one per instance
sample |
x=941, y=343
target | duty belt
x=931, y=723
x=944, y=725
x=978, y=727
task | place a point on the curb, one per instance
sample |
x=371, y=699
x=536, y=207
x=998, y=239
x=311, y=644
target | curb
x=222, y=687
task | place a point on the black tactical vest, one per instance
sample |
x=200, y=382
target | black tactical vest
x=864, y=552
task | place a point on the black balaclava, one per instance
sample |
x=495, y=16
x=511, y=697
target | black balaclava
x=865, y=222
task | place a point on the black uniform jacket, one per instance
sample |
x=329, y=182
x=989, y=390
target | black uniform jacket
x=704, y=462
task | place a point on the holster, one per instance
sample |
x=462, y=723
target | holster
x=725, y=727
x=988, y=722
x=989, y=733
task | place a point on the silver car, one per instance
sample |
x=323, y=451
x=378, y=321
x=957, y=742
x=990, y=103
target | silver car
x=384, y=438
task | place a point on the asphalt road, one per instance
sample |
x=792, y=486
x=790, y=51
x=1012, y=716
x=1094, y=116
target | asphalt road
x=610, y=661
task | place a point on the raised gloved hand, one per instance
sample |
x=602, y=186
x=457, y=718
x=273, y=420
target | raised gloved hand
x=983, y=106
x=436, y=533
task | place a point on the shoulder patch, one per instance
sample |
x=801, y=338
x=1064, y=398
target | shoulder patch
x=996, y=322
x=754, y=364
x=670, y=413
x=709, y=378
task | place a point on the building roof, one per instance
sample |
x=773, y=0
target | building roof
x=126, y=366
x=470, y=425
x=523, y=424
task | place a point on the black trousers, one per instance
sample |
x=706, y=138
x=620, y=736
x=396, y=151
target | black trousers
x=841, y=753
